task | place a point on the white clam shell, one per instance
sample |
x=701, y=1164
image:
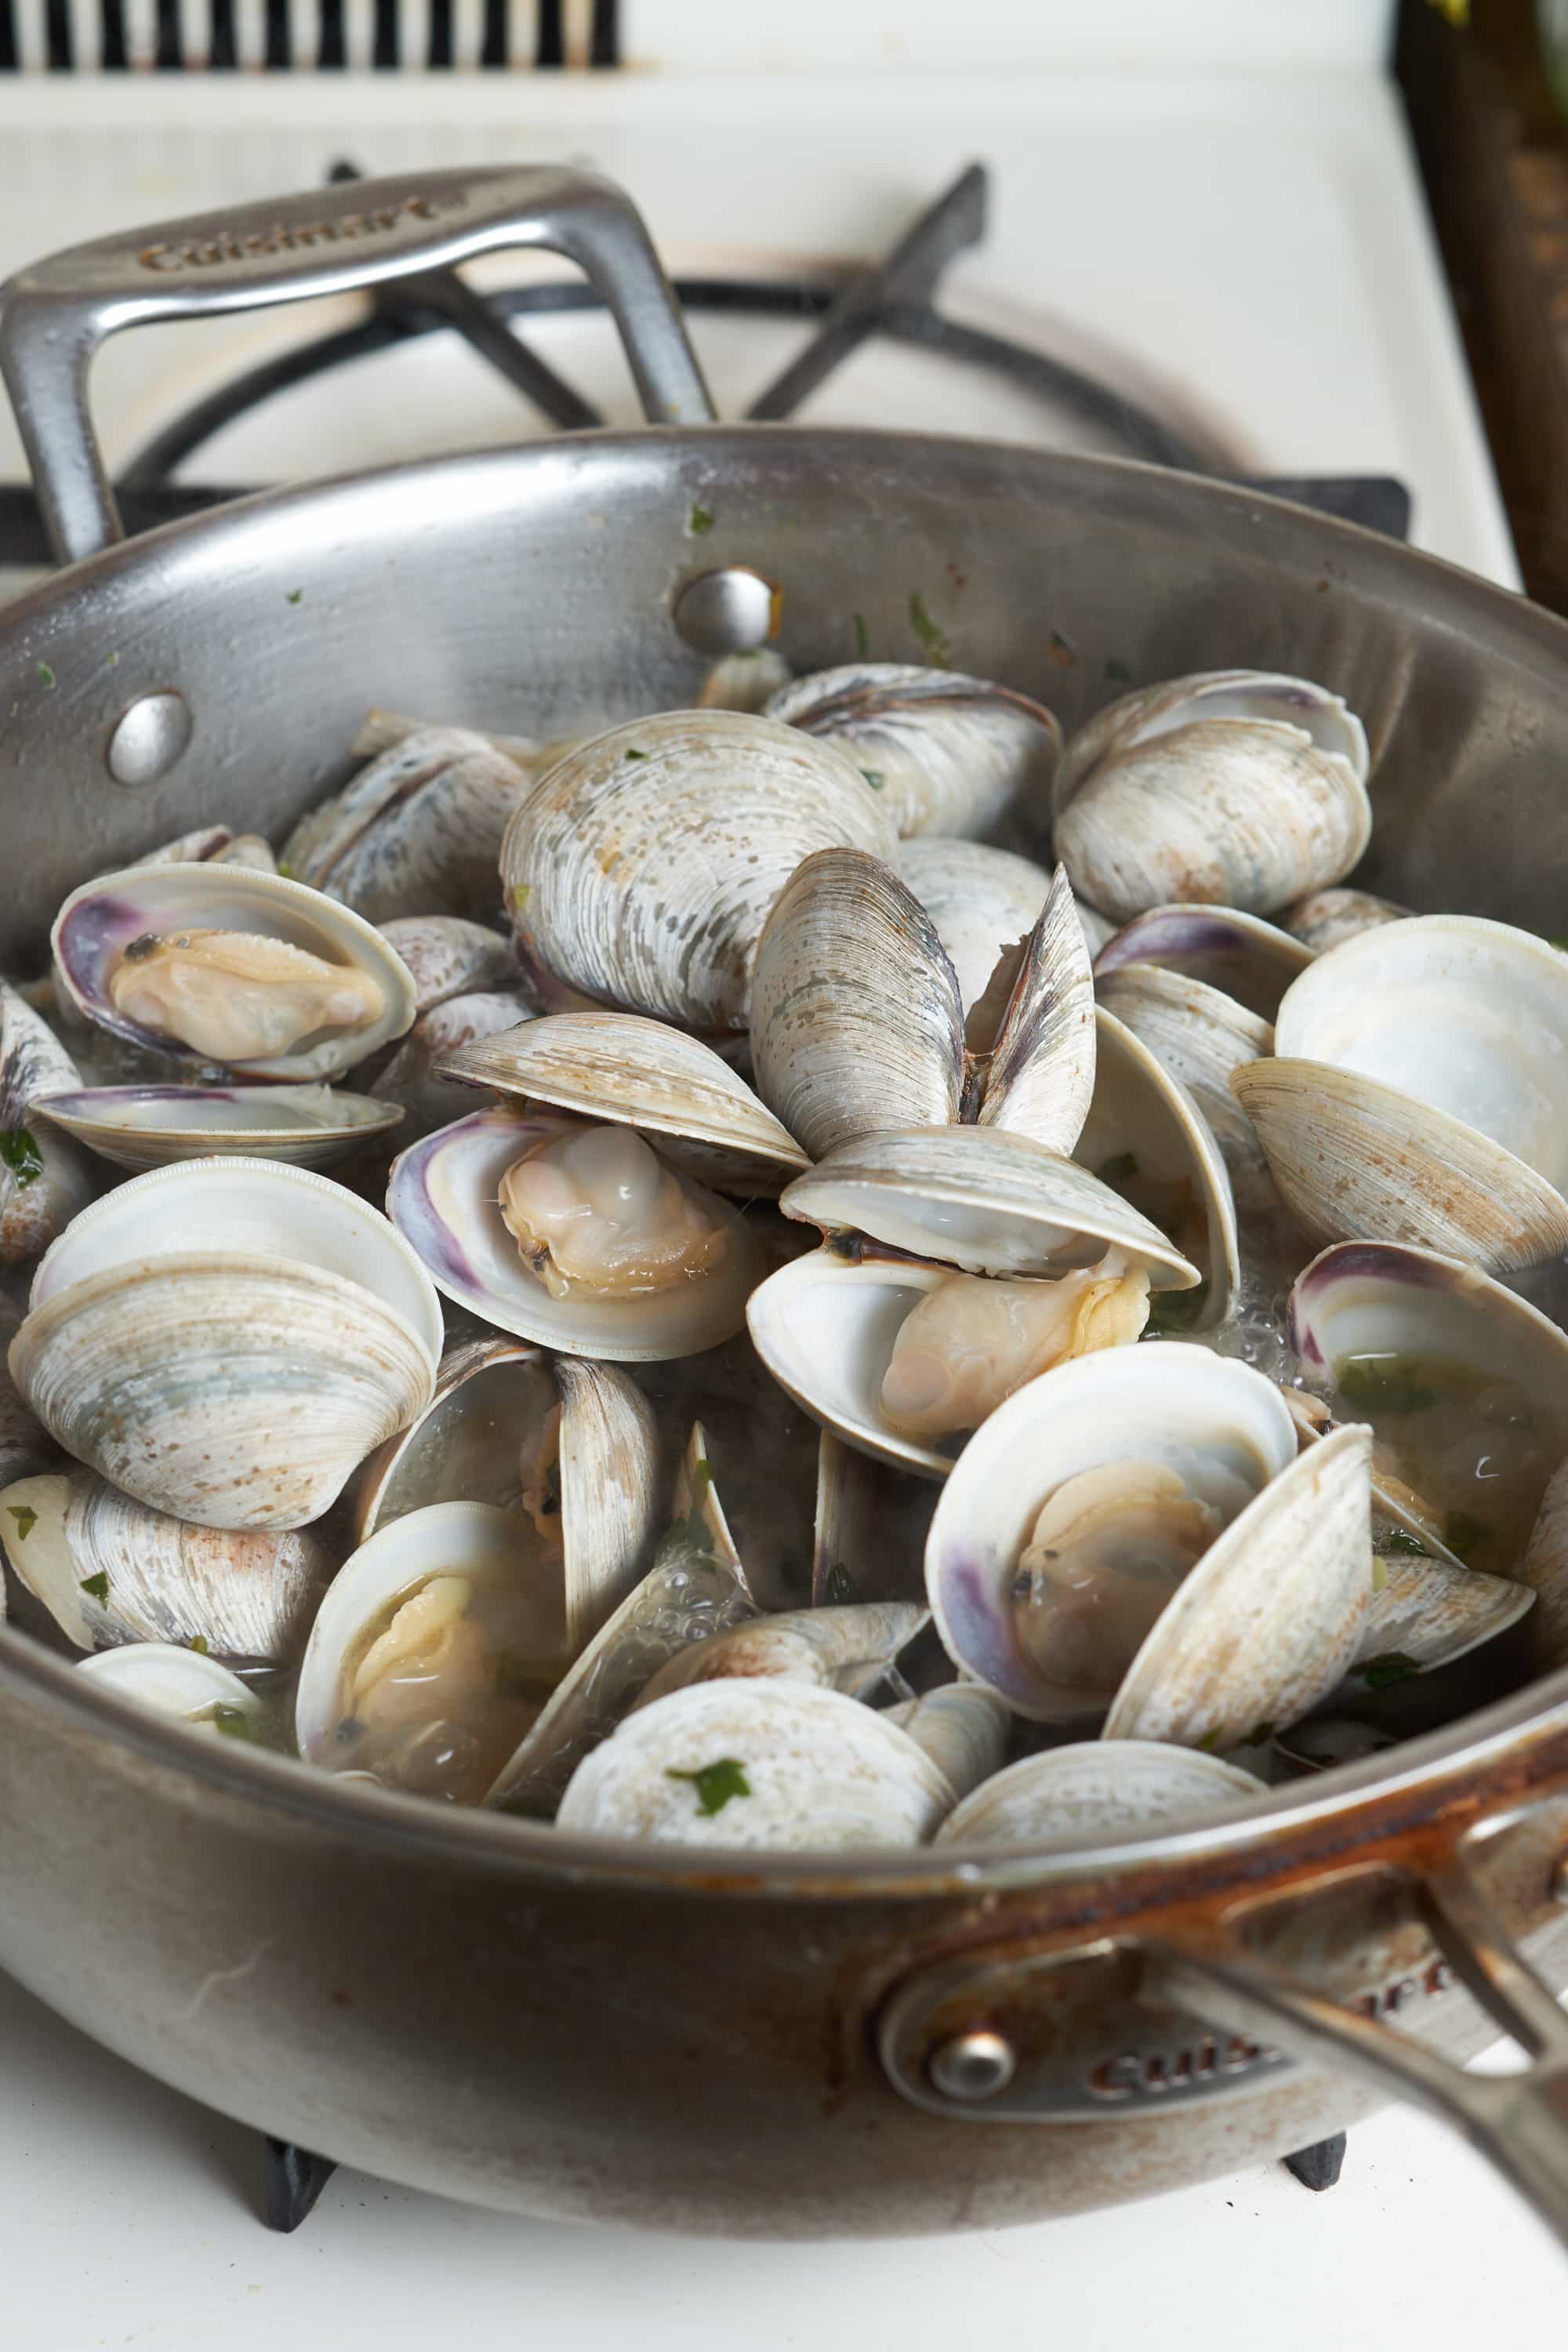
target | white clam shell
x=466, y=1446
x=644, y=880
x=1326, y=918
x=609, y=1491
x=1095, y=1790
x=1199, y=1034
x=857, y=1022
x=245, y=1594
x=412, y=1079
x=963, y=1727
x=1040, y=1076
x=825, y=1327
x=820, y=1771
x=97, y=923
x=980, y=900
x=169, y=1680
x=1252, y=960
x=1231, y=789
x=952, y=754
x=846, y=1649
x=444, y=1196
x=419, y=828
x=448, y=955
x=1433, y=1610
x=1222, y=1426
x=151, y=1127
x=620, y=1067
x=43, y=1177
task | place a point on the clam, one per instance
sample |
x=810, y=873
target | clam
x=468, y=1444
x=173, y=1681
x=1232, y=788
x=846, y=1649
x=573, y=1235
x=744, y=681
x=1326, y=918
x=149, y=1127
x=226, y=965
x=434, y=1653
x=384, y=730
x=641, y=869
x=1419, y=1095
x=227, y=1340
x=1250, y=960
x=1134, y=1536
x=1425, y=1611
x=1199, y=1034
x=108, y=1570
x=412, y=1081
x=869, y=1534
x=963, y=1727
x=1463, y=1384
x=45, y=1178
x=620, y=1069
x=758, y=1764
x=949, y=754
x=694, y=1592
x=447, y=956
x=217, y=844
x=419, y=829
x=1094, y=1789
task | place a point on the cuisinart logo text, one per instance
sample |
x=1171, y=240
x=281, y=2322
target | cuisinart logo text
x=229, y=246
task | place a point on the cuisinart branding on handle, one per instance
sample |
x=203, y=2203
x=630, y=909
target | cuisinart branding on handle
x=283, y=237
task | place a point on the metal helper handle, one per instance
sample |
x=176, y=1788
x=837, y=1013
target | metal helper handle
x=337, y=240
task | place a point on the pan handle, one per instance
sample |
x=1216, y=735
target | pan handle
x=335, y=240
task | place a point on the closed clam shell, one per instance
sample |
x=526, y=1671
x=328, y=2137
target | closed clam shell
x=1039, y=1072
x=100, y=922
x=412, y=1080
x=110, y=1570
x=825, y=1327
x=1200, y=1035
x=1093, y=1789
x=418, y=830
x=44, y=1177
x=1326, y=918
x=444, y=1197
x=1232, y=788
x=193, y=848
x=171, y=1680
x=610, y=1492
x=630, y=1071
x=1220, y=1425
x=789, y=1767
x=1433, y=1610
x=951, y=754
x=963, y=1727
x=641, y=869
x=149, y=1127
x=847, y=1648
x=980, y=900
x=857, y=1022
x=982, y=1199
x=447, y=955
x=1252, y=960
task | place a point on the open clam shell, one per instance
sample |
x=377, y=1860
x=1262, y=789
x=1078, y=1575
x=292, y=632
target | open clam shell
x=151, y=1126
x=1096, y=1788
x=412, y=1079
x=1252, y=960
x=1221, y=1427
x=641, y=869
x=980, y=901
x=1199, y=1034
x=467, y=1445
x=846, y=1649
x=626, y=1070
x=178, y=1682
x=112, y=920
x=419, y=828
x=1425, y=1612
x=1235, y=788
x=444, y=1197
x=825, y=1327
x=1464, y=1385
x=45, y=1179
x=758, y=1764
x=951, y=754
x=448, y=955
x=1327, y=918
x=110, y=1570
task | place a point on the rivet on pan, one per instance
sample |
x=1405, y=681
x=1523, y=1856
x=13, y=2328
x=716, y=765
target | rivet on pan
x=725, y=612
x=149, y=737
x=972, y=2066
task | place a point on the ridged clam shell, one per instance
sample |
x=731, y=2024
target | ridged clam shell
x=610, y=1492
x=826, y=1327
x=412, y=1079
x=417, y=831
x=1221, y=1425
x=443, y=1198
x=1039, y=1074
x=621, y=1068
x=447, y=955
x=384, y=730
x=1199, y=1034
x=97, y=923
x=151, y=1127
x=45, y=1178
x=465, y=1447
x=847, y=1648
x=981, y=900
x=981, y=1199
x=963, y=1727
x=1327, y=918
x=1434, y=1611
x=820, y=1771
x=952, y=754
x=869, y=1537
x=171, y=1681
x=245, y=1594
x=1097, y=1790
x=857, y=1022
x=644, y=880
x=1252, y=960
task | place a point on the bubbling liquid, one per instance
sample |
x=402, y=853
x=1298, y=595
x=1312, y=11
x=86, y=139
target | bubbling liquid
x=1108, y=1549
x=597, y=1213
x=968, y=1344
x=236, y=997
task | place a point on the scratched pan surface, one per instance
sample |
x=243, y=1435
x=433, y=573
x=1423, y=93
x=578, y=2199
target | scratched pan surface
x=478, y=2007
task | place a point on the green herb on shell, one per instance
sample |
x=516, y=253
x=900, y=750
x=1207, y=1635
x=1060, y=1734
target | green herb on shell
x=633, y=755
x=1462, y=1531
x=46, y=674
x=875, y=778
x=1382, y=1673
x=715, y=1784
x=862, y=642
x=97, y=1586
x=19, y=1152
x=295, y=595
x=699, y=521
x=286, y=871
x=933, y=643
x=521, y=893
x=1400, y=1539
x=234, y=1722
x=1210, y=1740
x=198, y=1643
x=1375, y=1384
x=27, y=1519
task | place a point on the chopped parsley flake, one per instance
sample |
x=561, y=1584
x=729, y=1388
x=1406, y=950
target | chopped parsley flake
x=1377, y=1385
x=715, y=1783
x=521, y=893
x=862, y=642
x=699, y=521
x=933, y=643
x=634, y=755
x=1401, y=1539
x=234, y=1722
x=27, y=1519
x=1382, y=1673
x=19, y=1152
x=46, y=674
x=295, y=595
x=198, y=1643
x=287, y=871
x=97, y=1586
x=1210, y=1740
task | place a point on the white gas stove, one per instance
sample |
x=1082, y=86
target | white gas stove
x=1210, y=214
